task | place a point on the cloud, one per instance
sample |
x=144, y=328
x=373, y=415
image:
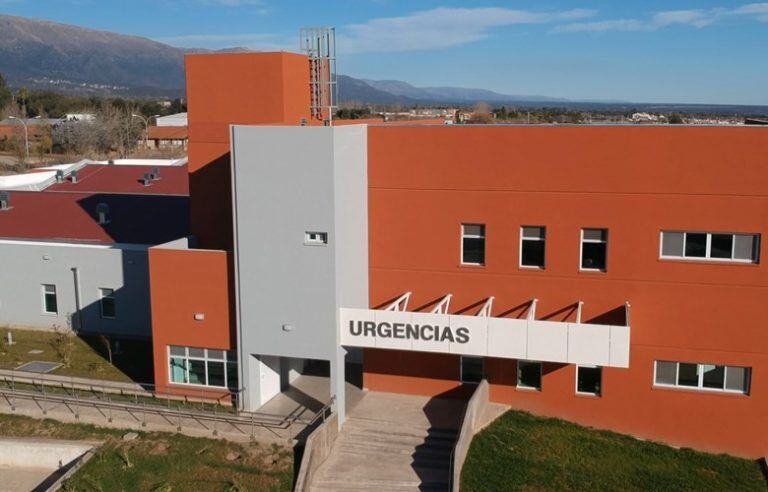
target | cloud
x=698, y=18
x=758, y=10
x=441, y=27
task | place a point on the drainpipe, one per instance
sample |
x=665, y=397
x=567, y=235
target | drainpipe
x=78, y=305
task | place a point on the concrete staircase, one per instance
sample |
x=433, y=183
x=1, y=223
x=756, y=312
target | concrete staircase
x=401, y=451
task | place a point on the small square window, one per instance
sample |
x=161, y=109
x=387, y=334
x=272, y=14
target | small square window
x=589, y=380
x=315, y=238
x=666, y=373
x=532, y=246
x=50, y=302
x=107, y=303
x=471, y=369
x=695, y=245
x=472, y=244
x=594, y=249
x=529, y=374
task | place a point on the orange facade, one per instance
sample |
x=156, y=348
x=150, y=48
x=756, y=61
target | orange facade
x=186, y=283
x=229, y=89
x=424, y=182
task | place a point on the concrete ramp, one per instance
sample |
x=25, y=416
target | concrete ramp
x=394, y=443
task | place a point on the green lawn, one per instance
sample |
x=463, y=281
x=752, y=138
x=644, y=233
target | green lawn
x=163, y=462
x=520, y=451
x=89, y=357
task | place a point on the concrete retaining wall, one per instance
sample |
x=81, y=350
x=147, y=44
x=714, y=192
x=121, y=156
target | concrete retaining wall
x=40, y=453
x=316, y=451
x=469, y=426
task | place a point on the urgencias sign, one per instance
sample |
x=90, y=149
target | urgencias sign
x=507, y=338
x=412, y=331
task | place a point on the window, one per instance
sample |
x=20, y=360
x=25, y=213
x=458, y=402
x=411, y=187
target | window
x=204, y=367
x=471, y=369
x=743, y=248
x=472, y=244
x=705, y=377
x=594, y=249
x=532, y=241
x=315, y=238
x=50, y=305
x=107, y=303
x=528, y=374
x=589, y=380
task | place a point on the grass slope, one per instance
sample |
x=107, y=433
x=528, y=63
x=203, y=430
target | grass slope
x=520, y=451
x=163, y=462
x=88, y=356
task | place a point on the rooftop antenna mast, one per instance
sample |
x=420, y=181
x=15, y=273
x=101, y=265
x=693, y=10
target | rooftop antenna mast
x=319, y=44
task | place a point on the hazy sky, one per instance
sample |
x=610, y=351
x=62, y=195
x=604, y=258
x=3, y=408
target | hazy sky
x=645, y=51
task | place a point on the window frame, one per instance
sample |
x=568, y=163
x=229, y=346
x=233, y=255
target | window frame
x=101, y=302
x=543, y=240
x=462, y=235
x=227, y=360
x=322, y=240
x=461, y=368
x=45, y=300
x=581, y=249
x=517, y=375
x=600, y=392
x=755, y=260
x=700, y=373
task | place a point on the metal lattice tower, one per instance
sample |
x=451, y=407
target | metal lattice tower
x=319, y=44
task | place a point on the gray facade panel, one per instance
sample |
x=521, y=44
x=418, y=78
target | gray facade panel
x=78, y=272
x=288, y=181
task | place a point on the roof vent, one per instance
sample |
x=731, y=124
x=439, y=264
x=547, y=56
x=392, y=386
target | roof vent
x=59, y=176
x=102, y=209
x=5, y=201
x=155, y=173
x=147, y=179
x=73, y=177
x=111, y=162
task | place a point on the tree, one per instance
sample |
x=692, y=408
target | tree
x=675, y=119
x=5, y=93
x=481, y=113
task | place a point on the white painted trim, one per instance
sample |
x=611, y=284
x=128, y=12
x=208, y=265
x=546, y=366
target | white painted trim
x=708, y=258
x=55, y=296
x=576, y=381
x=517, y=375
x=520, y=247
x=581, y=249
x=471, y=236
x=123, y=246
x=700, y=374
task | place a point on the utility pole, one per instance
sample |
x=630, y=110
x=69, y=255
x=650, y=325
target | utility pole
x=26, y=134
x=146, y=126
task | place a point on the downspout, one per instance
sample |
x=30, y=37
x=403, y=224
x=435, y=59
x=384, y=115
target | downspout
x=78, y=305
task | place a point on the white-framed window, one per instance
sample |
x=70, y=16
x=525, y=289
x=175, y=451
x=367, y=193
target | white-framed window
x=50, y=302
x=529, y=375
x=532, y=246
x=704, y=377
x=594, y=249
x=107, y=306
x=471, y=369
x=314, y=238
x=202, y=367
x=472, y=244
x=710, y=246
x=589, y=380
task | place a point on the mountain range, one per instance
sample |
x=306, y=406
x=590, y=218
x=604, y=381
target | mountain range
x=46, y=55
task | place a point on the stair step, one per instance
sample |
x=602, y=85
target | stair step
x=405, y=440
x=405, y=427
x=378, y=485
x=384, y=448
x=417, y=462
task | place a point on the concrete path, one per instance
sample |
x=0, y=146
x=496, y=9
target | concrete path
x=393, y=443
